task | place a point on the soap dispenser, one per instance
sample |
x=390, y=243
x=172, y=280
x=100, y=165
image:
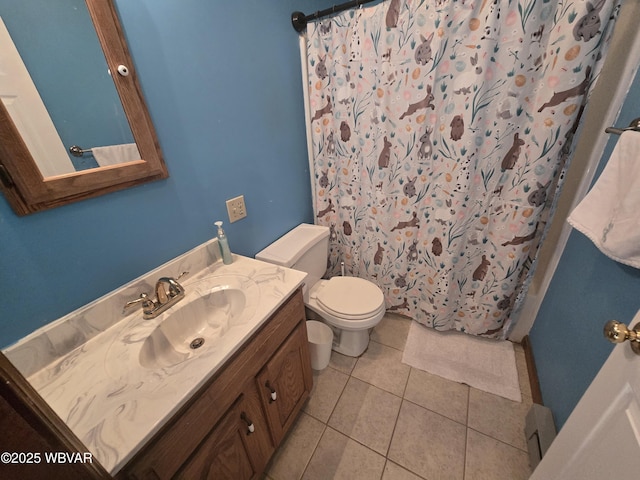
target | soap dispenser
x=224, y=245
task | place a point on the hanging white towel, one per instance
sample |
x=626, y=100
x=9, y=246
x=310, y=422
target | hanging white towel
x=114, y=154
x=610, y=213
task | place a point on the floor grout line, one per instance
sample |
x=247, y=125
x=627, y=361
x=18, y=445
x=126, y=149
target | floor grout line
x=387, y=460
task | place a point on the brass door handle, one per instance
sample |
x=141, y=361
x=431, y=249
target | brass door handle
x=617, y=332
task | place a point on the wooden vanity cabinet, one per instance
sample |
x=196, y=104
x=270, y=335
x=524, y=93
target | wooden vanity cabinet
x=238, y=448
x=232, y=426
x=285, y=382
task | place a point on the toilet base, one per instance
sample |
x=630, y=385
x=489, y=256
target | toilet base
x=351, y=343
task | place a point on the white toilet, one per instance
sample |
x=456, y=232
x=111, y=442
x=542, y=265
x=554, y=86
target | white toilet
x=350, y=306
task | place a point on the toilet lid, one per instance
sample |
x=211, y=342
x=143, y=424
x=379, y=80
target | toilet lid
x=350, y=297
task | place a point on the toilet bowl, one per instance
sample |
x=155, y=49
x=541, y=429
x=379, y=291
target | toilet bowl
x=351, y=306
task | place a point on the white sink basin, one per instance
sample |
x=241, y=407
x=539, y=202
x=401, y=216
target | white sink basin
x=192, y=325
x=212, y=307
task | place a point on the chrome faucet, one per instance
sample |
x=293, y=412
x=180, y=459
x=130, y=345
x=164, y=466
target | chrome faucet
x=168, y=293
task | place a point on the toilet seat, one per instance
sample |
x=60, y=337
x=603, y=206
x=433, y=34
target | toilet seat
x=350, y=298
x=348, y=303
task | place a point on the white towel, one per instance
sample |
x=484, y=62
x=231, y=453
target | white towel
x=114, y=154
x=610, y=213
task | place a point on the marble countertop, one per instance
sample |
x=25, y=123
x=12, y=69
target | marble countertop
x=112, y=403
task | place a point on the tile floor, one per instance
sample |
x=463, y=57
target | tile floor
x=376, y=418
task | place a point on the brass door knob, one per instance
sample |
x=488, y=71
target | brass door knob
x=617, y=332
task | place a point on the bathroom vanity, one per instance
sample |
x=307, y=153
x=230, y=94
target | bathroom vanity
x=231, y=426
x=207, y=389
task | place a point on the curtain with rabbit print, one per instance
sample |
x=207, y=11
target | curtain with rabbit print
x=441, y=131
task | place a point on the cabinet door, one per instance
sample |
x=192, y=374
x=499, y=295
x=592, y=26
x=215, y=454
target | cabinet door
x=238, y=448
x=285, y=382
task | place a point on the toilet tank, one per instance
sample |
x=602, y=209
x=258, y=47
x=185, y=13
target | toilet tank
x=305, y=248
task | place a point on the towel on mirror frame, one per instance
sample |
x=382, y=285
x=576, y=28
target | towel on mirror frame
x=114, y=154
x=609, y=215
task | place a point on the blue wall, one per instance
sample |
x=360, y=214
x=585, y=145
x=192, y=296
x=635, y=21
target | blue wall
x=223, y=85
x=587, y=290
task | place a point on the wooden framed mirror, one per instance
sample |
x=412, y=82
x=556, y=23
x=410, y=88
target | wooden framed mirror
x=22, y=182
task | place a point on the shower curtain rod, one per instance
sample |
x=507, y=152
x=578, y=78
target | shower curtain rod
x=299, y=19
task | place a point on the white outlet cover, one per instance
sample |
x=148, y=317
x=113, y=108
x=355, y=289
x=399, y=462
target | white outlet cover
x=236, y=208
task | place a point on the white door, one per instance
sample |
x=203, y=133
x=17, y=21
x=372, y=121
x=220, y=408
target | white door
x=22, y=100
x=601, y=438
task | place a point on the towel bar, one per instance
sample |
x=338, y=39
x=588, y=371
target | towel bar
x=76, y=151
x=634, y=126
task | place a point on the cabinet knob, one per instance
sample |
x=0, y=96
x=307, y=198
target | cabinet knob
x=250, y=427
x=274, y=394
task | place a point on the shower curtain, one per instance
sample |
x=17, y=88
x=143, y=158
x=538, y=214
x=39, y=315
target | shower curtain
x=440, y=132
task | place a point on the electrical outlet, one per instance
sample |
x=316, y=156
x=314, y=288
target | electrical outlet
x=236, y=208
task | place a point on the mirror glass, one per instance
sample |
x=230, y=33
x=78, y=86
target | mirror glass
x=30, y=186
x=57, y=88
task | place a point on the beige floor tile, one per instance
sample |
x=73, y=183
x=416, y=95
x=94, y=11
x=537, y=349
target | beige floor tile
x=382, y=366
x=396, y=472
x=359, y=398
x=293, y=455
x=498, y=417
x=428, y=444
x=338, y=457
x=438, y=394
x=366, y=414
x=327, y=388
x=342, y=363
x=392, y=331
x=490, y=459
